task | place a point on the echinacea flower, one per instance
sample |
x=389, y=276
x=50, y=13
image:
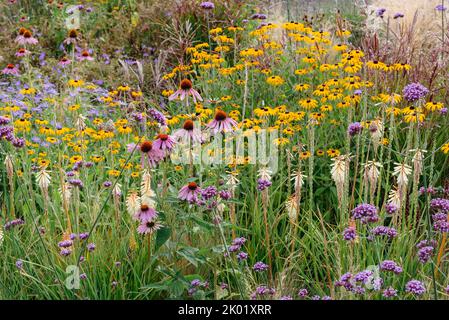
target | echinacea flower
x=185, y=90
x=64, y=61
x=26, y=38
x=22, y=52
x=164, y=142
x=188, y=133
x=189, y=192
x=20, y=35
x=85, y=55
x=10, y=69
x=222, y=123
x=148, y=227
x=152, y=155
x=145, y=214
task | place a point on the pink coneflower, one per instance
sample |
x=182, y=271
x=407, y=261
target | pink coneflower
x=22, y=52
x=189, y=192
x=148, y=227
x=164, y=142
x=20, y=35
x=152, y=155
x=64, y=61
x=188, y=132
x=10, y=69
x=145, y=214
x=222, y=123
x=26, y=38
x=185, y=90
x=85, y=56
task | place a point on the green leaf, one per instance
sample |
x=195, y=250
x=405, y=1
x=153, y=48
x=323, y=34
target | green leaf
x=191, y=277
x=190, y=255
x=162, y=236
x=202, y=223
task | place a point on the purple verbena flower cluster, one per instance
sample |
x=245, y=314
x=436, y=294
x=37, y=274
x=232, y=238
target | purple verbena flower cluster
x=414, y=91
x=390, y=265
x=365, y=213
x=262, y=291
x=195, y=285
x=207, y=5
x=384, y=231
x=349, y=234
x=391, y=208
x=158, y=116
x=10, y=224
x=262, y=184
x=354, y=128
x=260, y=266
x=236, y=246
x=416, y=287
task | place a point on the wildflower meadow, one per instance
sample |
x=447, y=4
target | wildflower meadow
x=224, y=150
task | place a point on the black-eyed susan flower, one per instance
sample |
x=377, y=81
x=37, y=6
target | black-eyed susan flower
x=76, y=158
x=124, y=129
x=317, y=116
x=445, y=148
x=308, y=103
x=414, y=117
x=301, y=87
x=304, y=155
x=375, y=65
x=332, y=153
x=433, y=106
x=281, y=141
x=75, y=83
x=275, y=81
